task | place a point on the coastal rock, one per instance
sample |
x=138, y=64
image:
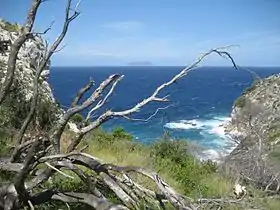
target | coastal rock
x=16, y=106
x=255, y=126
x=29, y=56
x=257, y=110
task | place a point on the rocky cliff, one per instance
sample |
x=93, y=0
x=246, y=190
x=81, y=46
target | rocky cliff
x=257, y=111
x=255, y=125
x=16, y=106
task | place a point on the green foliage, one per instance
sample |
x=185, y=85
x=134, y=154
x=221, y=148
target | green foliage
x=6, y=177
x=275, y=155
x=171, y=158
x=273, y=135
x=252, y=87
x=77, y=118
x=119, y=133
x=13, y=111
x=46, y=113
x=240, y=102
x=59, y=182
x=11, y=27
x=271, y=203
x=102, y=138
x=5, y=139
x=174, y=157
x=2, y=64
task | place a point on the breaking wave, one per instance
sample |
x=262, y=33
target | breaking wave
x=211, y=135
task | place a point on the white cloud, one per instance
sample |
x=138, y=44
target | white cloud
x=130, y=48
x=174, y=50
x=254, y=40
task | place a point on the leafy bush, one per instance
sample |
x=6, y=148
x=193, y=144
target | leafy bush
x=173, y=156
x=120, y=133
x=59, y=182
x=252, y=87
x=4, y=143
x=11, y=27
x=240, y=102
x=13, y=111
x=46, y=113
x=77, y=118
x=273, y=135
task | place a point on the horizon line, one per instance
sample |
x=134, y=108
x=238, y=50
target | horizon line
x=88, y=66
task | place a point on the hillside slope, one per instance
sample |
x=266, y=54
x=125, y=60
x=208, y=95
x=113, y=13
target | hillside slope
x=255, y=126
x=16, y=107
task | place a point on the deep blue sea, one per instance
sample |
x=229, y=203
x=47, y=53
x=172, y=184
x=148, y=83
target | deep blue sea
x=202, y=101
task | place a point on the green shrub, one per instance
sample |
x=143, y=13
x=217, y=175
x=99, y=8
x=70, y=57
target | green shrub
x=14, y=110
x=59, y=182
x=173, y=156
x=275, y=155
x=11, y=27
x=5, y=139
x=77, y=118
x=46, y=113
x=252, y=87
x=240, y=102
x=119, y=133
x=273, y=135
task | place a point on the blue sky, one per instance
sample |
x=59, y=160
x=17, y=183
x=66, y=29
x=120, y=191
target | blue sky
x=164, y=32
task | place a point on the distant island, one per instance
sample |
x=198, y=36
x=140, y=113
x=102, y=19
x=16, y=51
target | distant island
x=140, y=63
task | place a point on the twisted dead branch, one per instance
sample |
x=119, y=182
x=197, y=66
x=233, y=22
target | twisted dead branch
x=45, y=150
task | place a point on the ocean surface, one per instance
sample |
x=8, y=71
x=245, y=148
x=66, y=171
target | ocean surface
x=201, y=101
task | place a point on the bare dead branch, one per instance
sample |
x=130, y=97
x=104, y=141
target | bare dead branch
x=103, y=101
x=73, y=197
x=61, y=48
x=81, y=92
x=151, y=116
x=58, y=130
x=154, y=96
x=62, y=173
x=6, y=165
x=19, y=181
x=43, y=63
x=32, y=15
x=46, y=30
x=30, y=205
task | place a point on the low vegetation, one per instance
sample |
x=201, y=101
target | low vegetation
x=11, y=27
x=48, y=162
x=170, y=158
x=240, y=102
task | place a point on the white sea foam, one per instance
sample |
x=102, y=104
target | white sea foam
x=182, y=125
x=213, y=133
x=211, y=154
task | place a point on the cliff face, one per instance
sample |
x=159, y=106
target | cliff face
x=255, y=125
x=16, y=106
x=28, y=57
x=257, y=111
